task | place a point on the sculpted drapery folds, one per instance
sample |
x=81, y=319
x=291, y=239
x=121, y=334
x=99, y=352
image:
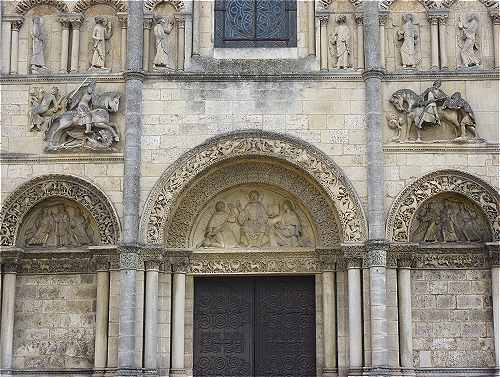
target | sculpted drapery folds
x=38, y=44
x=101, y=33
x=469, y=40
x=409, y=35
x=340, y=43
x=163, y=32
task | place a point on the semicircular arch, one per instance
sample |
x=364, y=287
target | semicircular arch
x=28, y=195
x=81, y=6
x=23, y=6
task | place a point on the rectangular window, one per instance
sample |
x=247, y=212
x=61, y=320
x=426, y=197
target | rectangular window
x=255, y=23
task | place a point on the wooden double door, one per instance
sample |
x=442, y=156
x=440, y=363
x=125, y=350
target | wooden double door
x=254, y=327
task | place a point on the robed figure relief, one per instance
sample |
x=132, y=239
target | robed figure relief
x=408, y=34
x=469, y=40
x=340, y=43
x=164, y=33
x=38, y=44
x=101, y=33
x=254, y=224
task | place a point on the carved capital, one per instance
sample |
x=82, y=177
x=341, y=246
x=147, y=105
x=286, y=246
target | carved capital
x=376, y=253
x=353, y=262
x=152, y=265
x=328, y=262
x=406, y=261
x=148, y=21
x=494, y=15
x=323, y=19
x=64, y=21
x=134, y=75
x=358, y=18
x=180, y=262
x=494, y=252
x=433, y=20
x=383, y=16
x=180, y=21
x=17, y=23
x=101, y=262
x=122, y=18
x=76, y=20
x=10, y=266
x=129, y=257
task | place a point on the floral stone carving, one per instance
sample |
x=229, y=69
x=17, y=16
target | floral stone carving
x=252, y=217
x=433, y=108
x=76, y=121
x=409, y=202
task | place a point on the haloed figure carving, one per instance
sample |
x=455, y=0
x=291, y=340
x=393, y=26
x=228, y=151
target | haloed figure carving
x=38, y=41
x=163, y=31
x=409, y=35
x=340, y=44
x=469, y=40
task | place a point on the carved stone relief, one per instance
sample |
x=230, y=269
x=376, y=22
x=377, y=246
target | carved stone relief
x=254, y=217
x=408, y=35
x=468, y=40
x=38, y=44
x=409, y=202
x=101, y=39
x=27, y=196
x=341, y=43
x=78, y=120
x=433, y=108
x=57, y=223
x=165, y=43
x=306, y=158
x=449, y=218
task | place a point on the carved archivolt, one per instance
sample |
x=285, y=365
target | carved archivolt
x=82, y=5
x=23, y=6
x=28, y=195
x=309, y=160
x=149, y=5
x=446, y=181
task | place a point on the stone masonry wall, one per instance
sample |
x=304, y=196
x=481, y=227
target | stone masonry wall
x=54, y=321
x=452, y=318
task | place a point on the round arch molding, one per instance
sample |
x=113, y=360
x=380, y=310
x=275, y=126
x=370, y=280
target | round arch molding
x=312, y=163
x=444, y=181
x=23, y=6
x=36, y=190
x=81, y=6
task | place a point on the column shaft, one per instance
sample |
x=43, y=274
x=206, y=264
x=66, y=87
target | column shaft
x=382, y=43
x=311, y=35
x=101, y=325
x=75, y=47
x=442, y=43
x=151, y=317
x=7, y=325
x=63, y=66
x=195, y=48
x=355, y=323
x=14, y=51
x=405, y=318
x=181, y=29
x=178, y=302
x=496, y=39
x=6, y=46
x=359, y=35
x=434, y=43
x=329, y=320
x=323, y=21
x=145, y=61
x=495, y=291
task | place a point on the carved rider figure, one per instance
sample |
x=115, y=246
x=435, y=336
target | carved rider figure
x=409, y=36
x=83, y=108
x=432, y=98
x=469, y=41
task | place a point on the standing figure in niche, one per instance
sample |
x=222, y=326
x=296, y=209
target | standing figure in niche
x=163, y=29
x=409, y=35
x=469, y=40
x=38, y=39
x=101, y=33
x=342, y=43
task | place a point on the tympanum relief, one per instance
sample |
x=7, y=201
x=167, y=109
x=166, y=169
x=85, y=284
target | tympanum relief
x=57, y=223
x=165, y=42
x=78, y=120
x=408, y=35
x=253, y=217
x=468, y=40
x=449, y=218
x=432, y=109
x=341, y=44
x=38, y=44
x=101, y=36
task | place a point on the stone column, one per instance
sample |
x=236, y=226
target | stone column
x=494, y=249
x=311, y=35
x=354, y=313
x=102, y=313
x=7, y=319
x=122, y=17
x=179, y=269
x=329, y=318
x=76, y=23
x=181, y=28
x=148, y=24
x=6, y=43
x=405, y=317
x=195, y=49
x=443, y=36
x=382, y=21
x=323, y=34
x=495, y=18
x=152, y=268
x=433, y=20
x=14, y=49
x=63, y=66
x=359, y=35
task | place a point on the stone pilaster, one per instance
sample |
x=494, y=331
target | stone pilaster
x=65, y=25
x=181, y=36
x=152, y=268
x=76, y=22
x=382, y=22
x=122, y=17
x=359, y=38
x=311, y=35
x=434, y=21
x=443, y=37
x=16, y=24
x=495, y=18
x=329, y=316
x=7, y=319
x=405, y=263
x=354, y=312
x=323, y=35
x=148, y=24
x=494, y=250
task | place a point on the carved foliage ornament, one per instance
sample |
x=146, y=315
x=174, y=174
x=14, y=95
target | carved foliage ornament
x=149, y=5
x=82, y=5
x=451, y=181
x=23, y=6
x=21, y=201
x=325, y=172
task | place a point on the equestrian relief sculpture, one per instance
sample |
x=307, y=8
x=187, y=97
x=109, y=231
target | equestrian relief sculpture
x=433, y=108
x=76, y=121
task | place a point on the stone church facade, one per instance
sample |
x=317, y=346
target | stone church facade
x=250, y=188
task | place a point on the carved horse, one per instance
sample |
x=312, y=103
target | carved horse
x=409, y=102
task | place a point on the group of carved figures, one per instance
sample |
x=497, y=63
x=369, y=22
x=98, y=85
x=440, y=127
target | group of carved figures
x=78, y=120
x=431, y=109
x=408, y=36
x=254, y=225
x=100, y=44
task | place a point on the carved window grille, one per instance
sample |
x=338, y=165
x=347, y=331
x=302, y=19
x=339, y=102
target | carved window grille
x=255, y=23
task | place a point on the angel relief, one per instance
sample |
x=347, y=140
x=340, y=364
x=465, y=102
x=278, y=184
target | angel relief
x=75, y=121
x=264, y=220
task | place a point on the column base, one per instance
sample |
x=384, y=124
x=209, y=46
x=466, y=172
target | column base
x=177, y=372
x=330, y=372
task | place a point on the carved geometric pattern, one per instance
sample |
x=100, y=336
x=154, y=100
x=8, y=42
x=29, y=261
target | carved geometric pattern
x=311, y=161
x=23, y=6
x=451, y=181
x=82, y=5
x=149, y=5
x=25, y=197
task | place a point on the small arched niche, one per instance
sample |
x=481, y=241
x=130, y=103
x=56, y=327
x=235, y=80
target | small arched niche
x=447, y=218
x=253, y=216
x=57, y=223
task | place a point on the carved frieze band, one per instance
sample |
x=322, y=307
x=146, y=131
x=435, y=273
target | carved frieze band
x=38, y=189
x=409, y=201
x=324, y=171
